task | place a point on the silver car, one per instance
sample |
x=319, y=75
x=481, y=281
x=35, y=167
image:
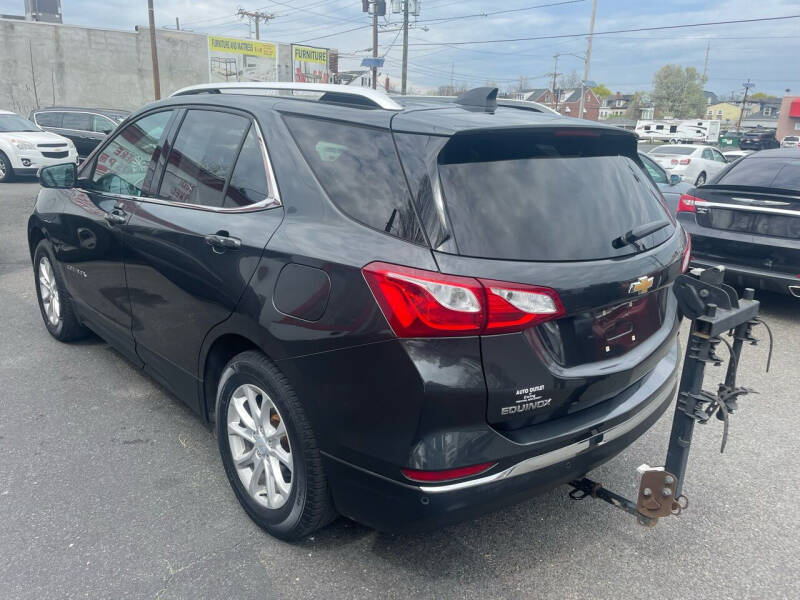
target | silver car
x=694, y=164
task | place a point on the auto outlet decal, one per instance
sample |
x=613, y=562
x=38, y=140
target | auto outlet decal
x=527, y=400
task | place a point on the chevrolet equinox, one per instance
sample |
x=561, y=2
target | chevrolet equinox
x=408, y=311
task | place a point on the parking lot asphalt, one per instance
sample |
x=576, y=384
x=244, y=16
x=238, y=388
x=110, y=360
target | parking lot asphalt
x=111, y=488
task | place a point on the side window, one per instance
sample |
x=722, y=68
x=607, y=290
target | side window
x=359, y=170
x=707, y=154
x=48, y=119
x=656, y=173
x=124, y=164
x=202, y=157
x=248, y=183
x=76, y=120
x=718, y=156
x=101, y=124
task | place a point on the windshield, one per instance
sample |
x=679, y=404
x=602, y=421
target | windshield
x=562, y=204
x=10, y=123
x=672, y=150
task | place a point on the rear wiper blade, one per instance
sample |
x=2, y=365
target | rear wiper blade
x=637, y=233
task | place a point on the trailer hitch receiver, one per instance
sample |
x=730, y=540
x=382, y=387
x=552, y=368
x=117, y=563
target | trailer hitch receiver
x=713, y=308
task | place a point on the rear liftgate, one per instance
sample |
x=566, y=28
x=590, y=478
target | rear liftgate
x=714, y=308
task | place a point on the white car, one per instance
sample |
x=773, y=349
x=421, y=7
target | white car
x=24, y=148
x=734, y=155
x=695, y=164
x=790, y=141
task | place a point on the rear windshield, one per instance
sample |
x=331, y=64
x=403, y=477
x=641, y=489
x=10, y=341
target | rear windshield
x=557, y=199
x=781, y=173
x=791, y=138
x=672, y=150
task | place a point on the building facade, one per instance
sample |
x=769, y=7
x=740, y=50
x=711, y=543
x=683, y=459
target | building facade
x=789, y=119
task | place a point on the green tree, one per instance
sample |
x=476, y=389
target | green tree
x=639, y=100
x=601, y=91
x=761, y=96
x=678, y=92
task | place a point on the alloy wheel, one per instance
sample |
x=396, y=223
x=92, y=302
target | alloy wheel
x=259, y=445
x=2, y=168
x=48, y=289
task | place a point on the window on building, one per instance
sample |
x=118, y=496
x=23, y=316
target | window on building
x=719, y=112
x=767, y=111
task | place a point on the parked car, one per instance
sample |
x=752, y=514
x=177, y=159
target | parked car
x=754, y=140
x=24, y=148
x=86, y=127
x=748, y=220
x=729, y=139
x=790, y=141
x=694, y=164
x=671, y=186
x=405, y=311
x=734, y=155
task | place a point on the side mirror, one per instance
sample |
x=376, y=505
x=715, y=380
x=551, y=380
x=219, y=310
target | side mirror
x=61, y=177
x=674, y=179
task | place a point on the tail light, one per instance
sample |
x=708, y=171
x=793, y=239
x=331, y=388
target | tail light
x=687, y=253
x=446, y=475
x=688, y=203
x=419, y=303
x=682, y=161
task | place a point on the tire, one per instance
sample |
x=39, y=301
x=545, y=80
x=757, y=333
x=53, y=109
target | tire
x=673, y=141
x=6, y=171
x=55, y=304
x=701, y=179
x=285, y=437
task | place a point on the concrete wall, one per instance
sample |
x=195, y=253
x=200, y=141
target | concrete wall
x=100, y=68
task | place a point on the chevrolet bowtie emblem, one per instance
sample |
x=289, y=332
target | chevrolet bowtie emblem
x=641, y=285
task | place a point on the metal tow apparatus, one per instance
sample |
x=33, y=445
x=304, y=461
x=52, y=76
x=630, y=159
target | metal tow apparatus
x=713, y=308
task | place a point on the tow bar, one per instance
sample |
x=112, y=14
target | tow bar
x=713, y=308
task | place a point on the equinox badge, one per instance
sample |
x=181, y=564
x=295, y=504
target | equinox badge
x=641, y=285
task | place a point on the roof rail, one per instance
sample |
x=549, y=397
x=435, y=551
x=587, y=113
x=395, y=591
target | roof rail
x=330, y=92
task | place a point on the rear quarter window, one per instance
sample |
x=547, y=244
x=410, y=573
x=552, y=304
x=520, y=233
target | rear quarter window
x=360, y=172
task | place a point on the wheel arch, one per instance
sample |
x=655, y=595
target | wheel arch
x=36, y=234
x=216, y=354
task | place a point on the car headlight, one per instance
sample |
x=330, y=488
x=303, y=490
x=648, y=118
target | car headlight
x=23, y=145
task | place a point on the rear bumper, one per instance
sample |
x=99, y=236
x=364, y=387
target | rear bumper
x=391, y=505
x=762, y=279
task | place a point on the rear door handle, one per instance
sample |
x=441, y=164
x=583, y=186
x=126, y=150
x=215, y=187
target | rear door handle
x=116, y=217
x=223, y=242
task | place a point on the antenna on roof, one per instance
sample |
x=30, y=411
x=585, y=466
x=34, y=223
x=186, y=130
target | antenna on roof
x=483, y=97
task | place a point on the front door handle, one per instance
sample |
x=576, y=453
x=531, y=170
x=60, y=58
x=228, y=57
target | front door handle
x=223, y=242
x=116, y=217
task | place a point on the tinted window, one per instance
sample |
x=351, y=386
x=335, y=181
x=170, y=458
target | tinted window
x=124, y=164
x=49, y=119
x=683, y=150
x=783, y=173
x=202, y=157
x=248, y=183
x=101, y=124
x=78, y=121
x=557, y=199
x=718, y=156
x=707, y=154
x=359, y=170
x=656, y=172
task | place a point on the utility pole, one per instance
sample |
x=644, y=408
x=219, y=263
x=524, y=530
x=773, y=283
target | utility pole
x=405, y=47
x=256, y=16
x=588, y=58
x=177, y=23
x=705, y=64
x=374, y=43
x=747, y=85
x=555, y=75
x=154, y=51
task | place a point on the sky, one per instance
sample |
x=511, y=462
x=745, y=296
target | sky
x=765, y=52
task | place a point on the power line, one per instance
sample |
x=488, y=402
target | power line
x=498, y=12
x=574, y=35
